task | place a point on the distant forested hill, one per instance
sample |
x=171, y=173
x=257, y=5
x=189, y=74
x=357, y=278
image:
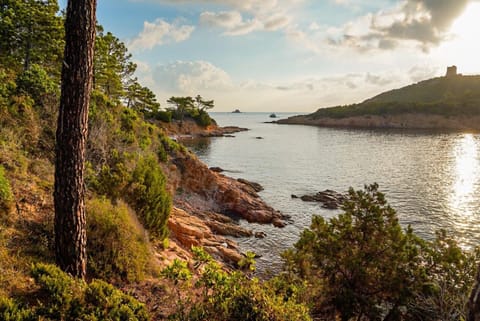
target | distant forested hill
x=451, y=102
x=455, y=95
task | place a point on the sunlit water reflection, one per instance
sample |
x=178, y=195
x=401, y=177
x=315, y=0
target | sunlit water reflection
x=432, y=179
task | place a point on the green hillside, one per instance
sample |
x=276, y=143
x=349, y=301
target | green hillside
x=448, y=96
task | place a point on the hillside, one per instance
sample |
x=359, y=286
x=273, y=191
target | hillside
x=451, y=102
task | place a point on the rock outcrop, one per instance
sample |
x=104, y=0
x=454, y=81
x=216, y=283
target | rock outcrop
x=210, y=191
x=330, y=199
x=188, y=128
x=208, y=206
x=255, y=186
x=189, y=230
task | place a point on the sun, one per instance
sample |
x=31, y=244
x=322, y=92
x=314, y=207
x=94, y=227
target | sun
x=464, y=47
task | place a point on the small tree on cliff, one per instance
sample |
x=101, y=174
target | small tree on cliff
x=77, y=71
x=182, y=106
x=203, y=105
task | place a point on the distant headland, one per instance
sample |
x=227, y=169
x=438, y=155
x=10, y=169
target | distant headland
x=451, y=102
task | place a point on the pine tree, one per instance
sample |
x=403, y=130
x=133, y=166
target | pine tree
x=77, y=73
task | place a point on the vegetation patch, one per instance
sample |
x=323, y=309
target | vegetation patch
x=60, y=297
x=363, y=265
x=117, y=244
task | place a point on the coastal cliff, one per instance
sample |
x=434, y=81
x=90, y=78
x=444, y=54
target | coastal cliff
x=205, y=201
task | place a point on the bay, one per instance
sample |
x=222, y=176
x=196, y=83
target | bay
x=432, y=179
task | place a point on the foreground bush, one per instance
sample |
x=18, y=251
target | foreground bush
x=149, y=196
x=116, y=243
x=61, y=297
x=363, y=265
x=223, y=296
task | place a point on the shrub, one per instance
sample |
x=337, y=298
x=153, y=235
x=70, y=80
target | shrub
x=149, y=196
x=362, y=265
x=450, y=275
x=36, y=83
x=105, y=302
x=61, y=297
x=165, y=116
x=116, y=242
x=128, y=119
x=231, y=296
x=6, y=196
x=112, y=178
x=12, y=311
x=203, y=119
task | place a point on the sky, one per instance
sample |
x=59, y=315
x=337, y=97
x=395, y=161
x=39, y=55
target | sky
x=292, y=55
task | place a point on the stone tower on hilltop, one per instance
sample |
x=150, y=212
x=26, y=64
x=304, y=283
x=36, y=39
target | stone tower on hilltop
x=451, y=71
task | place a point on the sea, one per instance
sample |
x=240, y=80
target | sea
x=431, y=178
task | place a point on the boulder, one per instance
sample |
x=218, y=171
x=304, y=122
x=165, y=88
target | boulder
x=255, y=186
x=330, y=199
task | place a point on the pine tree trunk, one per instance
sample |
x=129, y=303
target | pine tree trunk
x=70, y=225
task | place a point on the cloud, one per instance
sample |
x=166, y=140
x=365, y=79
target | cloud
x=243, y=5
x=224, y=19
x=246, y=16
x=314, y=26
x=231, y=21
x=159, y=33
x=191, y=77
x=425, y=22
x=276, y=22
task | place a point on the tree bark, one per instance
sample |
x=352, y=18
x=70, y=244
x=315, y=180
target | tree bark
x=77, y=71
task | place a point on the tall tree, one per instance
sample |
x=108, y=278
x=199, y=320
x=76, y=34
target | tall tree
x=113, y=68
x=77, y=72
x=31, y=32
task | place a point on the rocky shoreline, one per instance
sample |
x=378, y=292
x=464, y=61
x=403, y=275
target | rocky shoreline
x=208, y=204
x=189, y=129
x=399, y=121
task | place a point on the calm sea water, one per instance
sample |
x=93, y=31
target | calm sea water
x=432, y=179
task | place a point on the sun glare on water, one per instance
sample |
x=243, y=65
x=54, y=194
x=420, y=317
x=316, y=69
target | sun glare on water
x=467, y=170
x=464, y=48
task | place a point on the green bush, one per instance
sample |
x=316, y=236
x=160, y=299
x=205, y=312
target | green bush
x=6, y=196
x=202, y=118
x=230, y=296
x=36, y=83
x=149, y=196
x=450, y=275
x=128, y=119
x=105, y=302
x=12, y=311
x=165, y=116
x=111, y=178
x=116, y=243
x=59, y=288
x=61, y=297
x=362, y=265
